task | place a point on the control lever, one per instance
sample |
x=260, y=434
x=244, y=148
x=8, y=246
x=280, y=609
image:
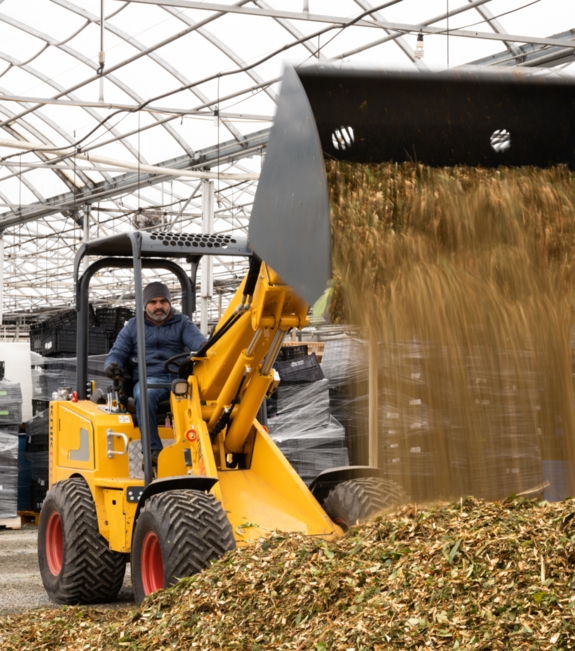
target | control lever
x=114, y=395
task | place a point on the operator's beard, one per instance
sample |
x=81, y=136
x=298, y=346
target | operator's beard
x=158, y=318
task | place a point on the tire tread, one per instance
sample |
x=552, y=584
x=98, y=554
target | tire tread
x=362, y=499
x=92, y=572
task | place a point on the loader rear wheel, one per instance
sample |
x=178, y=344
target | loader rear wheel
x=362, y=499
x=76, y=563
x=178, y=534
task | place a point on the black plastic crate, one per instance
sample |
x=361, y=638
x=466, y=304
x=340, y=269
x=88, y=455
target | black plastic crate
x=69, y=318
x=63, y=340
x=303, y=369
x=37, y=444
x=113, y=319
x=107, y=318
x=38, y=497
x=292, y=352
x=36, y=336
x=38, y=406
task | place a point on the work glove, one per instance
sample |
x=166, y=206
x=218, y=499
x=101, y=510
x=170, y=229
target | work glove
x=114, y=371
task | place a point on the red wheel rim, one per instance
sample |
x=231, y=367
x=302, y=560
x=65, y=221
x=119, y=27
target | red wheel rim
x=342, y=523
x=54, y=543
x=152, y=564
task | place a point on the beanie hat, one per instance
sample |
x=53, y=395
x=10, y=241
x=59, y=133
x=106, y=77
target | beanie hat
x=153, y=290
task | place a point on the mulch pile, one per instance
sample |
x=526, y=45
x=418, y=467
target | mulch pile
x=467, y=575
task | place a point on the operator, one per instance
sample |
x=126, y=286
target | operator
x=168, y=333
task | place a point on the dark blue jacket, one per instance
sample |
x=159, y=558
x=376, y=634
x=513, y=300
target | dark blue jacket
x=177, y=334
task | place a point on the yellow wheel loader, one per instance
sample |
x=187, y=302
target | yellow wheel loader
x=220, y=480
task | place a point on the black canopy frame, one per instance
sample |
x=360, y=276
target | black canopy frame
x=149, y=251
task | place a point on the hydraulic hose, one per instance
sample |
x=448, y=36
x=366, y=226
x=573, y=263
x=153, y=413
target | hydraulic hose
x=225, y=417
x=215, y=337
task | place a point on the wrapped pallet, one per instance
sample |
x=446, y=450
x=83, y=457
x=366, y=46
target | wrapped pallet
x=10, y=403
x=8, y=475
x=37, y=452
x=301, y=426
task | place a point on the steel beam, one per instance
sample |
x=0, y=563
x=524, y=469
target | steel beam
x=534, y=55
x=496, y=26
x=226, y=153
x=339, y=20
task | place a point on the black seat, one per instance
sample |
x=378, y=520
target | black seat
x=163, y=407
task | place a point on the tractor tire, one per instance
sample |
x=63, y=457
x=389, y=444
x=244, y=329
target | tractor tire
x=357, y=500
x=76, y=564
x=178, y=534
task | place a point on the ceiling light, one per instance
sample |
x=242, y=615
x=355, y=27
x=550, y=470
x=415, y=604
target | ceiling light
x=418, y=54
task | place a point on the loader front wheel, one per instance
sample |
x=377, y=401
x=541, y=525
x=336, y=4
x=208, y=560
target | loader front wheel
x=178, y=534
x=76, y=563
x=357, y=500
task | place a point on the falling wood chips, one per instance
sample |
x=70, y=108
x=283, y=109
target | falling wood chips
x=471, y=574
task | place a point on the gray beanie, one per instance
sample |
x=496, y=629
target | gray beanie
x=153, y=290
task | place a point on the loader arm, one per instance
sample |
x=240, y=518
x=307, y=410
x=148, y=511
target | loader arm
x=243, y=356
x=217, y=433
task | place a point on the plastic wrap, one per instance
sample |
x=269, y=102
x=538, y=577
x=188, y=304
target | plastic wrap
x=10, y=403
x=298, y=407
x=344, y=366
x=24, y=476
x=8, y=475
x=450, y=420
x=313, y=451
x=37, y=452
x=51, y=373
x=300, y=424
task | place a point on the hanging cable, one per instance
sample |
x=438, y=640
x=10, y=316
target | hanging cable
x=236, y=71
x=101, y=53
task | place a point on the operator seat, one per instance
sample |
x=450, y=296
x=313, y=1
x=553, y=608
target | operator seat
x=128, y=390
x=161, y=412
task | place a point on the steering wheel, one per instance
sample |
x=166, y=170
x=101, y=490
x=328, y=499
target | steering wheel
x=172, y=360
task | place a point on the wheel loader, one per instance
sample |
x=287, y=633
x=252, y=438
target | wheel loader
x=220, y=481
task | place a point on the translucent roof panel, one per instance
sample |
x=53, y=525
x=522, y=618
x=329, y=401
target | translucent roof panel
x=106, y=123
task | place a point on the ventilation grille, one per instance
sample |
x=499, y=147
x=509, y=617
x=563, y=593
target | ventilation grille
x=197, y=240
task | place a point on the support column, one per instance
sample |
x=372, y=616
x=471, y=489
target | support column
x=207, y=260
x=87, y=217
x=373, y=402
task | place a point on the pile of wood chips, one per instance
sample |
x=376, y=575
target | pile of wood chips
x=466, y=575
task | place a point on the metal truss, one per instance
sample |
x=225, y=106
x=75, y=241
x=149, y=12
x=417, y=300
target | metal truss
x=51, y=200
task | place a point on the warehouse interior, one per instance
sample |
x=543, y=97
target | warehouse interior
x=146, y=123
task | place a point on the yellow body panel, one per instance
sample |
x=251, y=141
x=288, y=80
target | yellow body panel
x=268, y=495
x=271, y=496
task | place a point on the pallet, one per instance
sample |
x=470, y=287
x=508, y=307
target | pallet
x=11, y=523
x=29, y=517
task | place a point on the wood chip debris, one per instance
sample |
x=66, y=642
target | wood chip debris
x=467, y=575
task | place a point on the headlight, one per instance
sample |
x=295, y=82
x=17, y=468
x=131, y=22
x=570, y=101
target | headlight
x=180, y=387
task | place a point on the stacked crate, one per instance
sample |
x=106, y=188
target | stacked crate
x=299, y=421
x=10, y=419
x=36, y=453
x=57, y=336
x=112, y=320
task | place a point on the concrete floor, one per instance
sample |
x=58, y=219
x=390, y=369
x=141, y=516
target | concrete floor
x=21, y=587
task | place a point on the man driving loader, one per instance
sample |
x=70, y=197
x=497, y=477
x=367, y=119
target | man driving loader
x=167, y=334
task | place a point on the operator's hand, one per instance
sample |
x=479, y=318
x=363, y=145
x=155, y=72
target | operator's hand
x=114, y=371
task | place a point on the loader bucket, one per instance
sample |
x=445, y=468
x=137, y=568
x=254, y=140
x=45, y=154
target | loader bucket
x=467, y=116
